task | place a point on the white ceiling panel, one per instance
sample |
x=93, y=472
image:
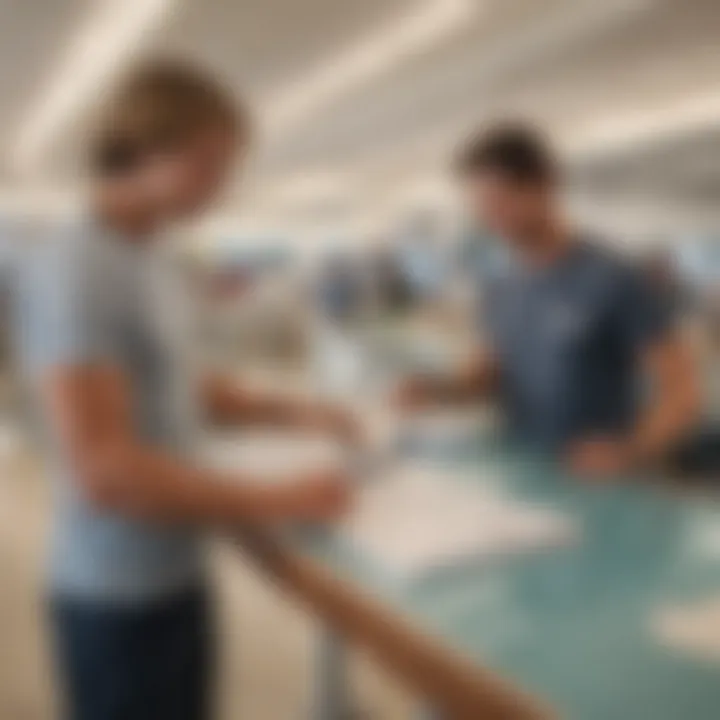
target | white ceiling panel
x=259, y=45
x=364, y=124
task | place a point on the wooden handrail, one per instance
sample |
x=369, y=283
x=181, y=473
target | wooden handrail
x=459, y=688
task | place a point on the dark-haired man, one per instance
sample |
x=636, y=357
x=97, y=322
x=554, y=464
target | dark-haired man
x=583, y=358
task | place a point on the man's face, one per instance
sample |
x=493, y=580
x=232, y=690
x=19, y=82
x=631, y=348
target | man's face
x=512, y=210
x=186, y=182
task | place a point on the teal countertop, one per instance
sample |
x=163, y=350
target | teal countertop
x=573, y=625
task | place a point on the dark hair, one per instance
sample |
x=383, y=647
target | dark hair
x=161, y=105
x=518, y=152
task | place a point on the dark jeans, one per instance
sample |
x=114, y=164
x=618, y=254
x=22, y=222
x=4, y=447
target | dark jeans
x=151, y=662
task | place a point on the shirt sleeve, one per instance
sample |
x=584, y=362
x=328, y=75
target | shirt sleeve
x=62, y=314
x=643, y=316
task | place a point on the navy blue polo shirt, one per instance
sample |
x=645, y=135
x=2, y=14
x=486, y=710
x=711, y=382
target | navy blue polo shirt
x=569, y=340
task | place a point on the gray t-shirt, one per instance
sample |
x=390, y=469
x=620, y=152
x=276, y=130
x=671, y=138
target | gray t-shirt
x=569, y=339
x=89, y=296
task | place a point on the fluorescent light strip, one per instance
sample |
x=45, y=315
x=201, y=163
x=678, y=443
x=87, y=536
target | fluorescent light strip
x=417, y=31
x=643, y=127
x=557, y=33
x=104, y=42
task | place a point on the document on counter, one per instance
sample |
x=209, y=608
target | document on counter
x=692, y=629
x=415, y=520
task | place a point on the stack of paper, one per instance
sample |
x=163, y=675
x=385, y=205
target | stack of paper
x=418, y=520
x=273, y=454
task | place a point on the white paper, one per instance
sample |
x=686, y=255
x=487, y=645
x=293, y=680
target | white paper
x=270, y=454
x=693, y=629
x=417, y=520
x=340, y=363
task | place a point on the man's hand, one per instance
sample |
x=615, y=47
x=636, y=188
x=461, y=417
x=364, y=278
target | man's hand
x=338, y=422
x=314, y=497
x=599, y=457
x=474, y=381
x=413, y=393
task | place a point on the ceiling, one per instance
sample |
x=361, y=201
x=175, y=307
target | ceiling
x=360, y=102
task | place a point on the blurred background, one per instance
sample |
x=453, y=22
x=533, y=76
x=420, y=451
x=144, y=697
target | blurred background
x=347, y=210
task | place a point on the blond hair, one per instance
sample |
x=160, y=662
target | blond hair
x=160, y=106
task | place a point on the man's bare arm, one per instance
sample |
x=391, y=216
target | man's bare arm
x=231, y=403
x=672, y=411
x=89, y=409
x=675, y=404
x=476, y=380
